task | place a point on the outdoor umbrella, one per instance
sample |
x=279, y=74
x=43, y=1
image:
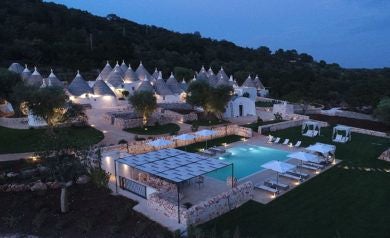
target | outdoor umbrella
x=205, y=132
x=278, y=167
x=185, y=137
x=159, y=142
x=304, y=156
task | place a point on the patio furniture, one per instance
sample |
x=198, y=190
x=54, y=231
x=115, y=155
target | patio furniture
x=270, y=139
x=208, y=152
x=298, y=143
x=276, y=184
x=316, y=165
x=299, y=174
x=336, y=137
x=290, y=176
x=199, y=180
x=267, y=189
x=308, y=167
x=277, y=140
x=310, y=128
x=219, y=150
x=285, y=142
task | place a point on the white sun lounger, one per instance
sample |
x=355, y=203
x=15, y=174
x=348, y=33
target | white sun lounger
x=266, y=188
x=270, y=140
x=219, y=150
x=318, y=166
x=298, y=143
x=277, y=140
x=273, y=183
x=290, y=176
x=298, y=174
x=304, y=166
x=285, y=142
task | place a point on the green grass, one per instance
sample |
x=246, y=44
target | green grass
x=170, y=128
x=255, y=125
x=337, y=203
x=214, y=142
x=31, y=140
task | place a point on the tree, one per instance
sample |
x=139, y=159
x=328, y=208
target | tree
x=212, y=100
x=144, y=104
x=8, y=80
x=382, y=111
x=65, y=164
x=48, y=103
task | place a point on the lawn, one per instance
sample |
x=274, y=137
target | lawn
x=93, y=213
x=337, y=203
x=30, y=140
x=214, y=142
x=170, y=128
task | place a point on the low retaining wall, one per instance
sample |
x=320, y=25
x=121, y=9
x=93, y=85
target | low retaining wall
x=370, y=132
x=138, y=147
x=205, y=210
x=15, y=123
x=284, y=125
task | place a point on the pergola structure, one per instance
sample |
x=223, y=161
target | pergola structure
x=337, y=137
x=172, y=165
x=311, y=128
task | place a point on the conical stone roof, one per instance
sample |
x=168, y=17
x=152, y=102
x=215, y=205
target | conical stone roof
x=258, y=83
x=145, y=86
x=26, y=73
x=222, y=74
x=16, y=68
x=52, y=80
x=123, y=66
x=174, y=85
x=162, y=88
x=118, y=69
x=249, y=82
x=184, y=85
x=155, y=74
x=130, y=75
x=35, y=79
x=141, y=72
x=105, y=71
x=79, y=86
x=222, y=81
x=115, y=78
x=101, y=88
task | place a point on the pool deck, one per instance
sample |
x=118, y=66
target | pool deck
x=265, y=197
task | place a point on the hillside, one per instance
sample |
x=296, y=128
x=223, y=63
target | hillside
x=51, y=35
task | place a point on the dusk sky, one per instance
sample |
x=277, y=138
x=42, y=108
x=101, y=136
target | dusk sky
x=353, y=33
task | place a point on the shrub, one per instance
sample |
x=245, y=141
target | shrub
x=99, y=177
x=11, y=221
x=40, y=218
x=278, y=116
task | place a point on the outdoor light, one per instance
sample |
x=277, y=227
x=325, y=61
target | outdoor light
x=273, y=196
x=104, y=132
x=317, y=172
x=224, y=144
x=297, y=183
x=243, y=139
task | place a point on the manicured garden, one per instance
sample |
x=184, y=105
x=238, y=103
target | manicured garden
x=94, y=213
x=210, y=143
x=338, y=203
x=170, y=128
x=30, y=140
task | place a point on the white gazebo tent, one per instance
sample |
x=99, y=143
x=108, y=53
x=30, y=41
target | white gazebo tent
x=337, y=137
x=161, y=142
x=311, y=128
x=304, y=156
x=278, y=167
x=328, y=151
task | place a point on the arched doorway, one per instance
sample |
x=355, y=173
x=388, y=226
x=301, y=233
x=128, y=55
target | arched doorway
x=241, y=110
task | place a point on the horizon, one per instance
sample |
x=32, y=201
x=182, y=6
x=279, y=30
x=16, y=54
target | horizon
x=353, y=39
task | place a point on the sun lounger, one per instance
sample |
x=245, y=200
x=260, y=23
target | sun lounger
x=276, y=140
x=290, y=176
x=273, y=184
x=298, y=174
x=304, y=166
x=285, y=142
x=208, y=152
x=298, y=143
x=219, y=150
x=266, y=188
x=318, y=166
x=270, y=139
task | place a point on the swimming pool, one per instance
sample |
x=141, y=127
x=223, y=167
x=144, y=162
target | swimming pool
x=247, y=160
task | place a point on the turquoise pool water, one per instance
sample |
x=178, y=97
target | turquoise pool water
x=247, y=159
